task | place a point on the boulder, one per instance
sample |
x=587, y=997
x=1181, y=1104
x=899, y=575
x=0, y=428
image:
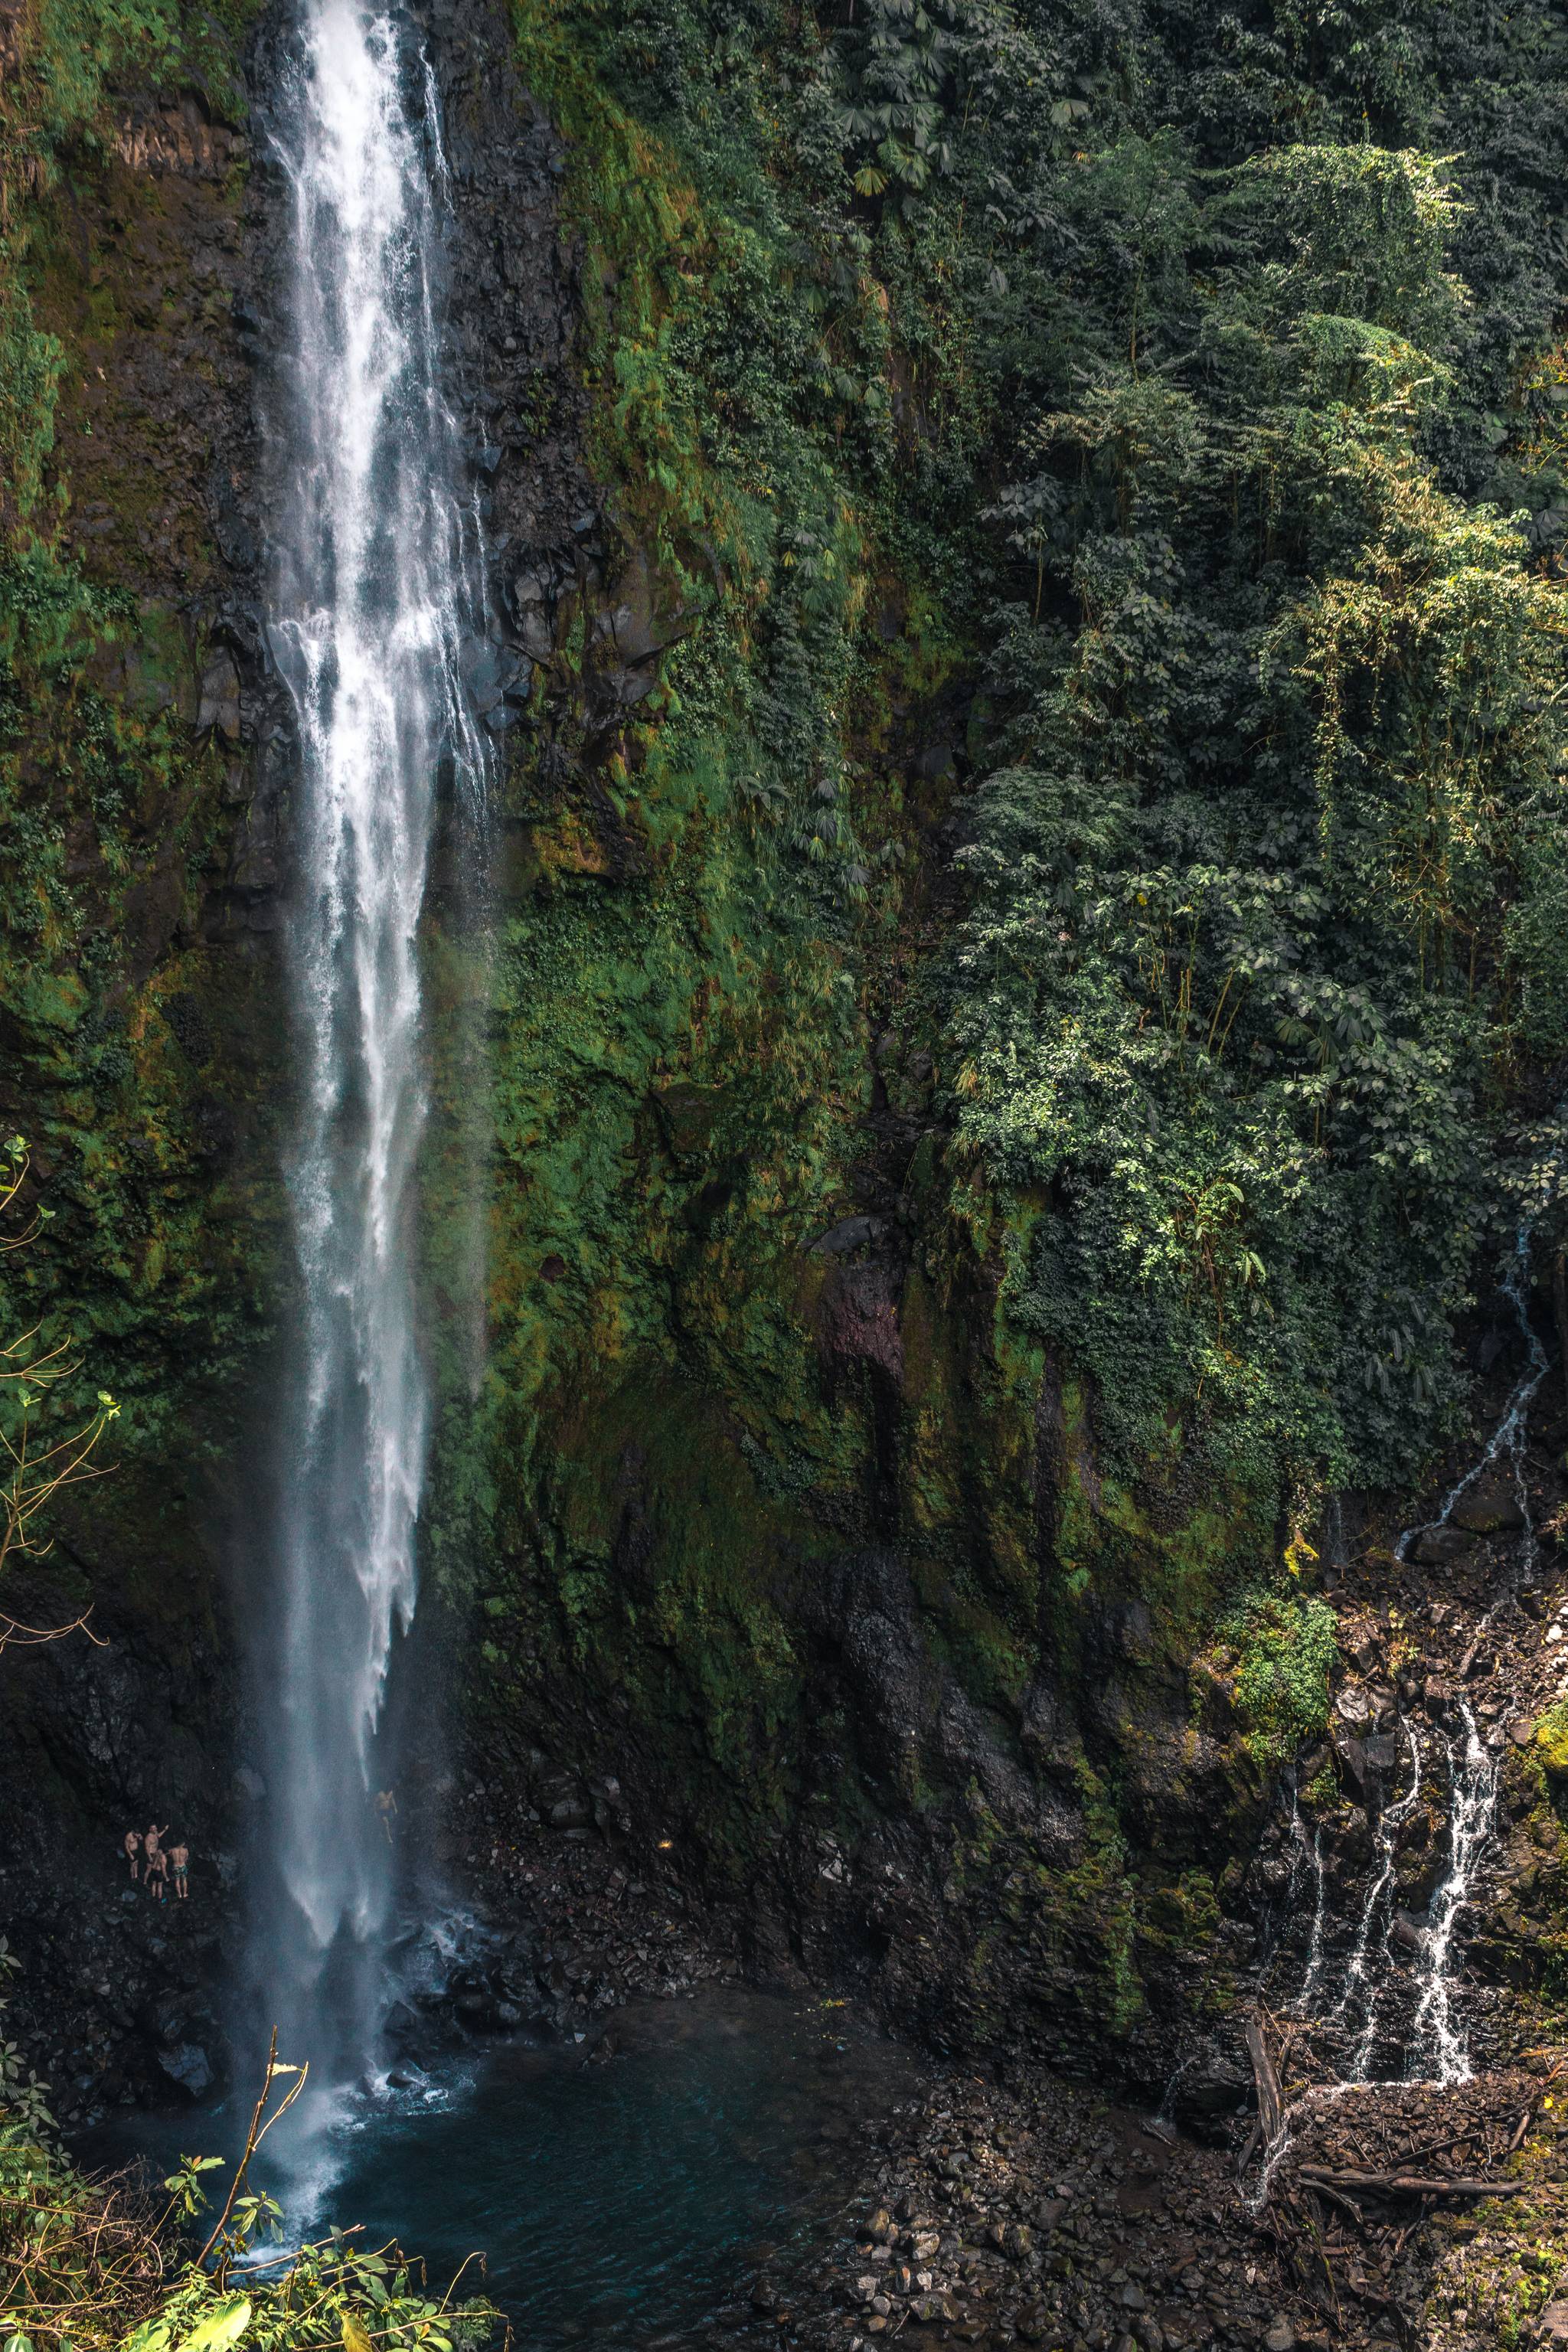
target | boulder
x=850, y=1234
x=188, y=2064
x=1440, y=1547
x=1406, y=1932
x=1491, y=1506
x=1369, y=1765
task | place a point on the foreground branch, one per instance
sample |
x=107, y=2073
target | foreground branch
x=1411, y=2184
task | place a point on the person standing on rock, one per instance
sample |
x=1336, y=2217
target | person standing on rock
x=158, y=1872
x=132, y=1847
x=180, y=1856
x=153, y=1850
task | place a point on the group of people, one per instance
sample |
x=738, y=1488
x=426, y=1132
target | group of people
x=151, y=1860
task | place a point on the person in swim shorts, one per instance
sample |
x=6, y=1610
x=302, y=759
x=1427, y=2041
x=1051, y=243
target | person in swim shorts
x=156, y=1867
x=180, y=1856
x=132, y=1848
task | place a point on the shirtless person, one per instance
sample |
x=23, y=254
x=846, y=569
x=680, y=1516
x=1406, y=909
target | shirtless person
x=386, y=1805
x=180, y=1856
x=156, y=1866
x=132, y=1847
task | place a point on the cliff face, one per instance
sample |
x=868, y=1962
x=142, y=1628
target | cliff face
x=141, y=875
x=918, y=1362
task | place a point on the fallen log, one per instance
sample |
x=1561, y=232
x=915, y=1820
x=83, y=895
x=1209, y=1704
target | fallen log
x=1270, y=2106
x=1411, y=2184
x=1270, y=2120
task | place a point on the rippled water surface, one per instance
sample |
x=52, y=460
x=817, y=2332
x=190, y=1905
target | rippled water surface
x=625, y=2199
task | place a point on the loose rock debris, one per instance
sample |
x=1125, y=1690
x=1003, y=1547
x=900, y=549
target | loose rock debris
x=1396, y=2216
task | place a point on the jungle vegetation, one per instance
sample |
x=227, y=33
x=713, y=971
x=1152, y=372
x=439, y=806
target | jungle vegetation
x=1190, y=390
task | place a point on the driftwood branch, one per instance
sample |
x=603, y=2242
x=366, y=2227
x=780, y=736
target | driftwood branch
x=1270, y=2106
x=1409, y=2184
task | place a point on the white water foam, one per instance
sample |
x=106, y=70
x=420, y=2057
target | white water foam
x=1437, y=2041
x=1309, y=1852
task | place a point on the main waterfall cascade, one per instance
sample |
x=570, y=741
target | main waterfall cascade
x=376, y=595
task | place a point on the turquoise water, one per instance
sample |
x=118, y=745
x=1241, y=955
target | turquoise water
x=626, y=2200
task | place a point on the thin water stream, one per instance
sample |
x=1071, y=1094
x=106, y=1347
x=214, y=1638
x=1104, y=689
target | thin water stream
x=1369, y=1952
x=1506, y=1442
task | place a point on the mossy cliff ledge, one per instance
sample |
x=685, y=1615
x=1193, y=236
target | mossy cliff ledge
x=1015, y=1006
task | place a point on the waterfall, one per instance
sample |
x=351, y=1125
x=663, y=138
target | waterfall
x=1436, y=2043
x=374, y=601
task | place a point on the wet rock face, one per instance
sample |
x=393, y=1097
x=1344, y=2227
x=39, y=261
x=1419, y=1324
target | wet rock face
x=510, y=299
x=147, y=286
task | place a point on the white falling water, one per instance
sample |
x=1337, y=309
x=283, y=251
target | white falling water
x=1473, y=1786
x=373, y=601
x=1364, y=1974
x=1309, y=1852
x=1437, y=2043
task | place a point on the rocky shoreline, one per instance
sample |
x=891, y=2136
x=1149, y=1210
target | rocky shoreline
x=1037, y=2213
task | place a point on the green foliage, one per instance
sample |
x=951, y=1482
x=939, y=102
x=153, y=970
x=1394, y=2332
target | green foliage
x=738, y=356
x=1152, y=423
x=67, y=55
x=1266, y=866
x=95, y=2266
x=1167, y=414
x=897, y=61
x=1282, y=1653
x=1266, y=883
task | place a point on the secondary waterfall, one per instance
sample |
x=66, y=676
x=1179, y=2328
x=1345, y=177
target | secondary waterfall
x=1473, y=1777
x=374, y=599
